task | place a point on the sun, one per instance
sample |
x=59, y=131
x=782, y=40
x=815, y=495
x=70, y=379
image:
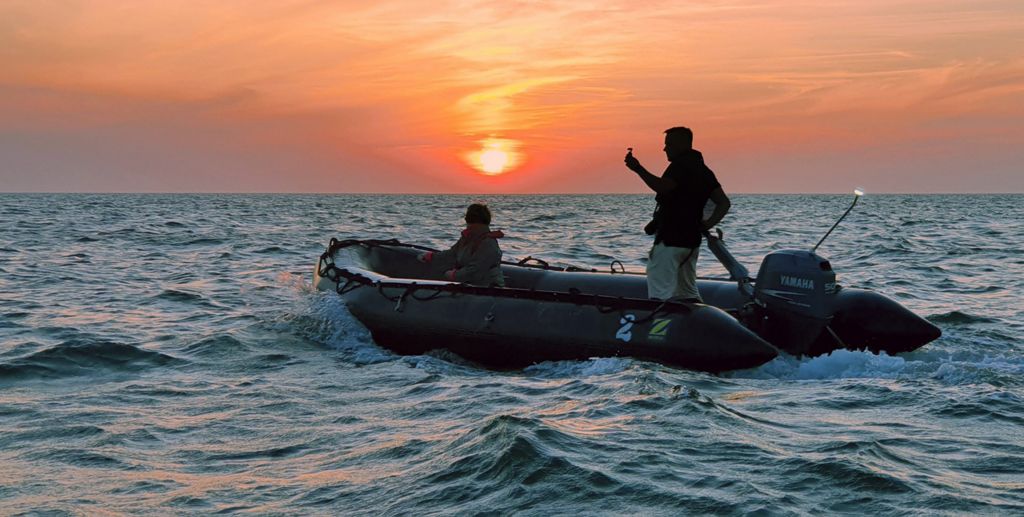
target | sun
x=493, y=161
x=496, y=156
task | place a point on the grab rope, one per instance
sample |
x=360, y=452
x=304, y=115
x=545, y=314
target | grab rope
x=340, y=289
x=527, y=260
x=336, y=245
x=577, y=269
x=603, y=303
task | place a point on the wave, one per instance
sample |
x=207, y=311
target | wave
x=544, y=218
x=840, y=364
x=996, y=405
x=123, y=231
x=802, y=472
x=510, y=450
x=969, y=368
x=325, y=319
x=960, y=318
x=272, y=452
x=83, y=358
x=329, y=323
x=572, y=369
x=949, y=368
x=178, y=296
x=175, y=295
x=204, y=241
x=62, y=432
x=445, y=362
x=215, y=346
x=272, y=361
x=80, y=458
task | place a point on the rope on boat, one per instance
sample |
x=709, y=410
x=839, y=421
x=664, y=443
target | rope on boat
x=603, y=303
x=529, y=261
x=622, y=267
x=528, y=258
x=336, y=245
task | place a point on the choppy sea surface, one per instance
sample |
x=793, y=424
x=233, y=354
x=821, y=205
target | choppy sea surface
x=166, y=354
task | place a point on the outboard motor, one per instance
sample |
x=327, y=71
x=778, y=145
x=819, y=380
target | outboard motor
x=796, y=292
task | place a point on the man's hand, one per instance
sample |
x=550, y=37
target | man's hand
x=655, y=183
x=632, y=163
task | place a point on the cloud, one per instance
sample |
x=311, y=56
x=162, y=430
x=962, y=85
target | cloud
x=407, y=89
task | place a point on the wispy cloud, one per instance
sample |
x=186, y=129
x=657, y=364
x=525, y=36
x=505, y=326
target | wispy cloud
x=398, y=83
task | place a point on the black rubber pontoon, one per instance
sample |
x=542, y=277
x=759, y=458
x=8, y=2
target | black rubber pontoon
x=541, y=315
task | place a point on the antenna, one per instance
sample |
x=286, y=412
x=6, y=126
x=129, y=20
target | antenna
x=857, y=193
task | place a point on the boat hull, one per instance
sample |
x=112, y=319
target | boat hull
x=512, y=332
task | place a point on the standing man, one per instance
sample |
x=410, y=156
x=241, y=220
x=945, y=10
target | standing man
x=682, y=191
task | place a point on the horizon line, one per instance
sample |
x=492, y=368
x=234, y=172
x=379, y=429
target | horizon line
x=272, y=193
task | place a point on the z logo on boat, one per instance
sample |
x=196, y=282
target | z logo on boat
x=659, y=329
x=625, y=332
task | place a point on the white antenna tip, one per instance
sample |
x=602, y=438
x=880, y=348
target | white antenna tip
x=858, y=191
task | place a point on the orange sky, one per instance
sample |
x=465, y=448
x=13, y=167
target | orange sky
x=345, y=96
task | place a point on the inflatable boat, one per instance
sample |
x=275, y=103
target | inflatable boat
x=544, y=313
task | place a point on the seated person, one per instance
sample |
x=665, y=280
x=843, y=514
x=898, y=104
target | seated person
x=475, y=258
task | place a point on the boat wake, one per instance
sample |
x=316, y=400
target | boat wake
x=942, y=367
x=331, y=324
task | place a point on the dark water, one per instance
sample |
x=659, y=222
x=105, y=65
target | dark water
x=166, y=354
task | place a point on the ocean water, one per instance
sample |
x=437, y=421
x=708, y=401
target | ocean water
x=166, y=354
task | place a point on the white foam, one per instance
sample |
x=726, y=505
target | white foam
x=943, y=366
x=301, y=284
x=445, y=363
x=589, y=368
x=840, y=364
x=949, y=374
x=341, y=331
x=971, y=369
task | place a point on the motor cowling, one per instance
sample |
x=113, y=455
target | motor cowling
x=796, y=291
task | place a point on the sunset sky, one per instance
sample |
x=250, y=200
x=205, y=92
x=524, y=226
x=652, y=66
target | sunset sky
x=504, y=96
